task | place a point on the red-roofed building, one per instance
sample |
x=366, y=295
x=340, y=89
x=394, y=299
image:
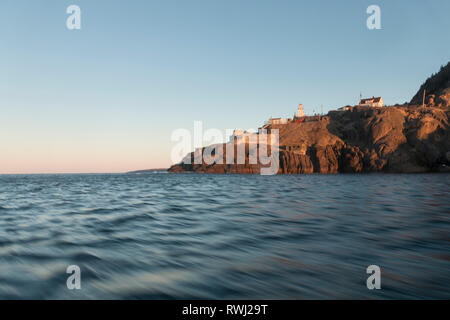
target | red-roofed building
x=371, y=102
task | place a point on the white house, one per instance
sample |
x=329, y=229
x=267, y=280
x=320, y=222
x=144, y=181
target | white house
x=243, y=136
x=371, y=102
x=276, y=120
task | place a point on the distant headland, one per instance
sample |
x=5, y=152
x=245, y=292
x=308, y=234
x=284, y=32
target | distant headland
x=409, y=138
x=157, y=170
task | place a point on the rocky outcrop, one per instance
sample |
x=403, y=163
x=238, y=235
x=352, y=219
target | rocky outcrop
x=411, y=138
x=393, y=139
x=363, y=139
x=436, y=88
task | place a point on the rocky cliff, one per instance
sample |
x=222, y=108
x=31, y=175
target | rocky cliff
x=436, y=89
x=411, y=138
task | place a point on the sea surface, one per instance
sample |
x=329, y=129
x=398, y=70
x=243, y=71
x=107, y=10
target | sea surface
x=206, y=236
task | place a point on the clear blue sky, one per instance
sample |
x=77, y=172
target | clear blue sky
x=107, y=97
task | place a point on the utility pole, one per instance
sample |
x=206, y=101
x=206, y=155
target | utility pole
x=423, y=99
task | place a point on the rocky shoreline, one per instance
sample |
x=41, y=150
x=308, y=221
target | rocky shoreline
x=388, y=139
x=411, y=138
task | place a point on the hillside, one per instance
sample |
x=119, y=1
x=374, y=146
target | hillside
x=389, y=139
x=401, y=139
x=437, y=88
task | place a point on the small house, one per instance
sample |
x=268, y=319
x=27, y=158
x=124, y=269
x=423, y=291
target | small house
x=371, y=102
x=276, y=120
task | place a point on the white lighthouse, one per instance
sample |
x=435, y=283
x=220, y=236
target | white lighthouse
x=300, y=113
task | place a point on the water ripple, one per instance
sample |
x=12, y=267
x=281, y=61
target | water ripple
x=195, y=236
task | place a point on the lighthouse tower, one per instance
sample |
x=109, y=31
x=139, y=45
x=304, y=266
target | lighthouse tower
x=300, y=113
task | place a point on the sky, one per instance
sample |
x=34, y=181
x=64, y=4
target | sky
x=107, y=97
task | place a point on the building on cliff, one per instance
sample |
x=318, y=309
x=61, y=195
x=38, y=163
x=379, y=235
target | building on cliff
x=276, y=120
x=371, y=102
x=345, y=108
x=243, y=136
x=297, y=118
x=300, y=112
x=240, y=137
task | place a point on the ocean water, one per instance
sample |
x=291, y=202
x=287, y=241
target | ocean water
x=174, y=236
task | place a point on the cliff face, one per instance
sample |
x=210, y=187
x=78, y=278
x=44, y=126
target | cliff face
x=363, y=139
x=392, y=139
x=388, y=139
